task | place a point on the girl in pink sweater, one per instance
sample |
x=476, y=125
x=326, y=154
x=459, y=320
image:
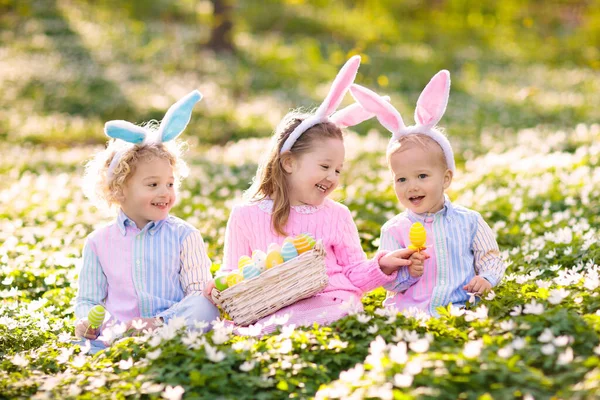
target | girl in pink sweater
x=289, y=196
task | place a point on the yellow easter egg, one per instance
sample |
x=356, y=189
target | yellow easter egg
x=301, y=244
x=311, y=240
x=274, y=258
x=234, y=278
x=417, y=236
x=244, y=260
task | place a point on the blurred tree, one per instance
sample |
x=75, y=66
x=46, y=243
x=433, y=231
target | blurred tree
x=221, y=39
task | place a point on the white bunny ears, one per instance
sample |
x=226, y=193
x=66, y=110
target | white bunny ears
x=430, y=109
x=349, y=116
x=173, y=124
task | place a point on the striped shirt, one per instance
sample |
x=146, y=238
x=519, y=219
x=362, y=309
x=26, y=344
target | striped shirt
x=141, y=273
x=460, y=245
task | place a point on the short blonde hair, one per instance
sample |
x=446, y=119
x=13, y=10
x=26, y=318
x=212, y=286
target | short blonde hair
x=418, y=139
x=106, y=190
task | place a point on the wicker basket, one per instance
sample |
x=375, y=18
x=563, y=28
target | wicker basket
x=278, y=287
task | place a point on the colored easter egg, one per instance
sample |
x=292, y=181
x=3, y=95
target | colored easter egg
x=311, y=240
x=250, y=271
x=274, y=258
x=221, y=283
x=288, y=251
x=259, y=258
x=417, y=236
x=233, y=279
x=96, y=316
x=301, y=244
x=244, y=260
x=273, y=247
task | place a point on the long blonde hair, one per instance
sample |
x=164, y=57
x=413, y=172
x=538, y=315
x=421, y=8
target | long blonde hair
x=271, y=179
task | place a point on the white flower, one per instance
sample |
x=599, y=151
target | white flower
x=419, y=346
x=252, y=330
x=411, y=336
x=19, y=361
x=557, y=295
x=153, y=355
x=566, y=357
x=247, y=366
x=213, y=354
x=561, y=341
x=516, y=311
x=543, y=284
x=85, y=348
x=413, y=367
x=471, y=297
x=578, y=300
x=138, y=324
x=79, y=361
x=64, y=337
x=546, y=336
x=220, y=336
x=398, y=353
x=505, y=352
x=491, y=295
x=533, y=308
x=507, y=325
x=285, y=347
x=481, y=312
x=457, y=311
x=547, y=349
x=353, y=374
x=363, y=318
x=126, y=364
x=473, y=348
x=373, y=329
x=200, y=325
x=173, y=393
x=518, y=343
x=597, y=350
x=403, y=380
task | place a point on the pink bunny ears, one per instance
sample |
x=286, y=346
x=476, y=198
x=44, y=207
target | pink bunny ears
x=430, y=109
x=349, y=116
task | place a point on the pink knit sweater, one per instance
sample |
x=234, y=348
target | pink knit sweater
x=350, y=272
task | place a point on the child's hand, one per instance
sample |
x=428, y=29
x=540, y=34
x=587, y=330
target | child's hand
x=478, y=285
x=418, y=264
x=393, y=261
x=84, y=330
x=208, y=291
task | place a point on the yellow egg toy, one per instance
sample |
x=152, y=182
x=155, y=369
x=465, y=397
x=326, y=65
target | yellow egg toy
x=417, y=236
x=301, y=243
x=244, y=260
x=233, y=279
x=274, y=258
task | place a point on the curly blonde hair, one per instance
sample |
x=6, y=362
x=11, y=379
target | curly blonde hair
x=106, y=190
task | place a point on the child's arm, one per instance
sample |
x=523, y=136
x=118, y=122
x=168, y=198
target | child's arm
x=404, y=280
x=237, y=243
x=365, y=274
x=488, y=262
x=195, y=264
x=93, y=284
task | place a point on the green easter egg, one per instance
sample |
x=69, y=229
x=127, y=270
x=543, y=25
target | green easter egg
x=221, y=283
x=96, y=316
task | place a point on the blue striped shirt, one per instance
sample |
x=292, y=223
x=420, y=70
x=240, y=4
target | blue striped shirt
x=460, y=245
x=141, y=273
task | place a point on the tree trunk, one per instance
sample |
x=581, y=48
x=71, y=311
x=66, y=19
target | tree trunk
x=221, y=35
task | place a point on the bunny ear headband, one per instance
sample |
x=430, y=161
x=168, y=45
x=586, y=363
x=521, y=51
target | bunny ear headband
x=349, y=116
x=172, y=125
x=430, y=109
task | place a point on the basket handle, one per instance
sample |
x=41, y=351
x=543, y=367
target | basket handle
x=216, y=296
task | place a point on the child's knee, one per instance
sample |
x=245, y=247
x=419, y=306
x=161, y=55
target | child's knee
x=201, y=309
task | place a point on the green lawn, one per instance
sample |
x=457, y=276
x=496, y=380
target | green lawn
x=523, y=117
